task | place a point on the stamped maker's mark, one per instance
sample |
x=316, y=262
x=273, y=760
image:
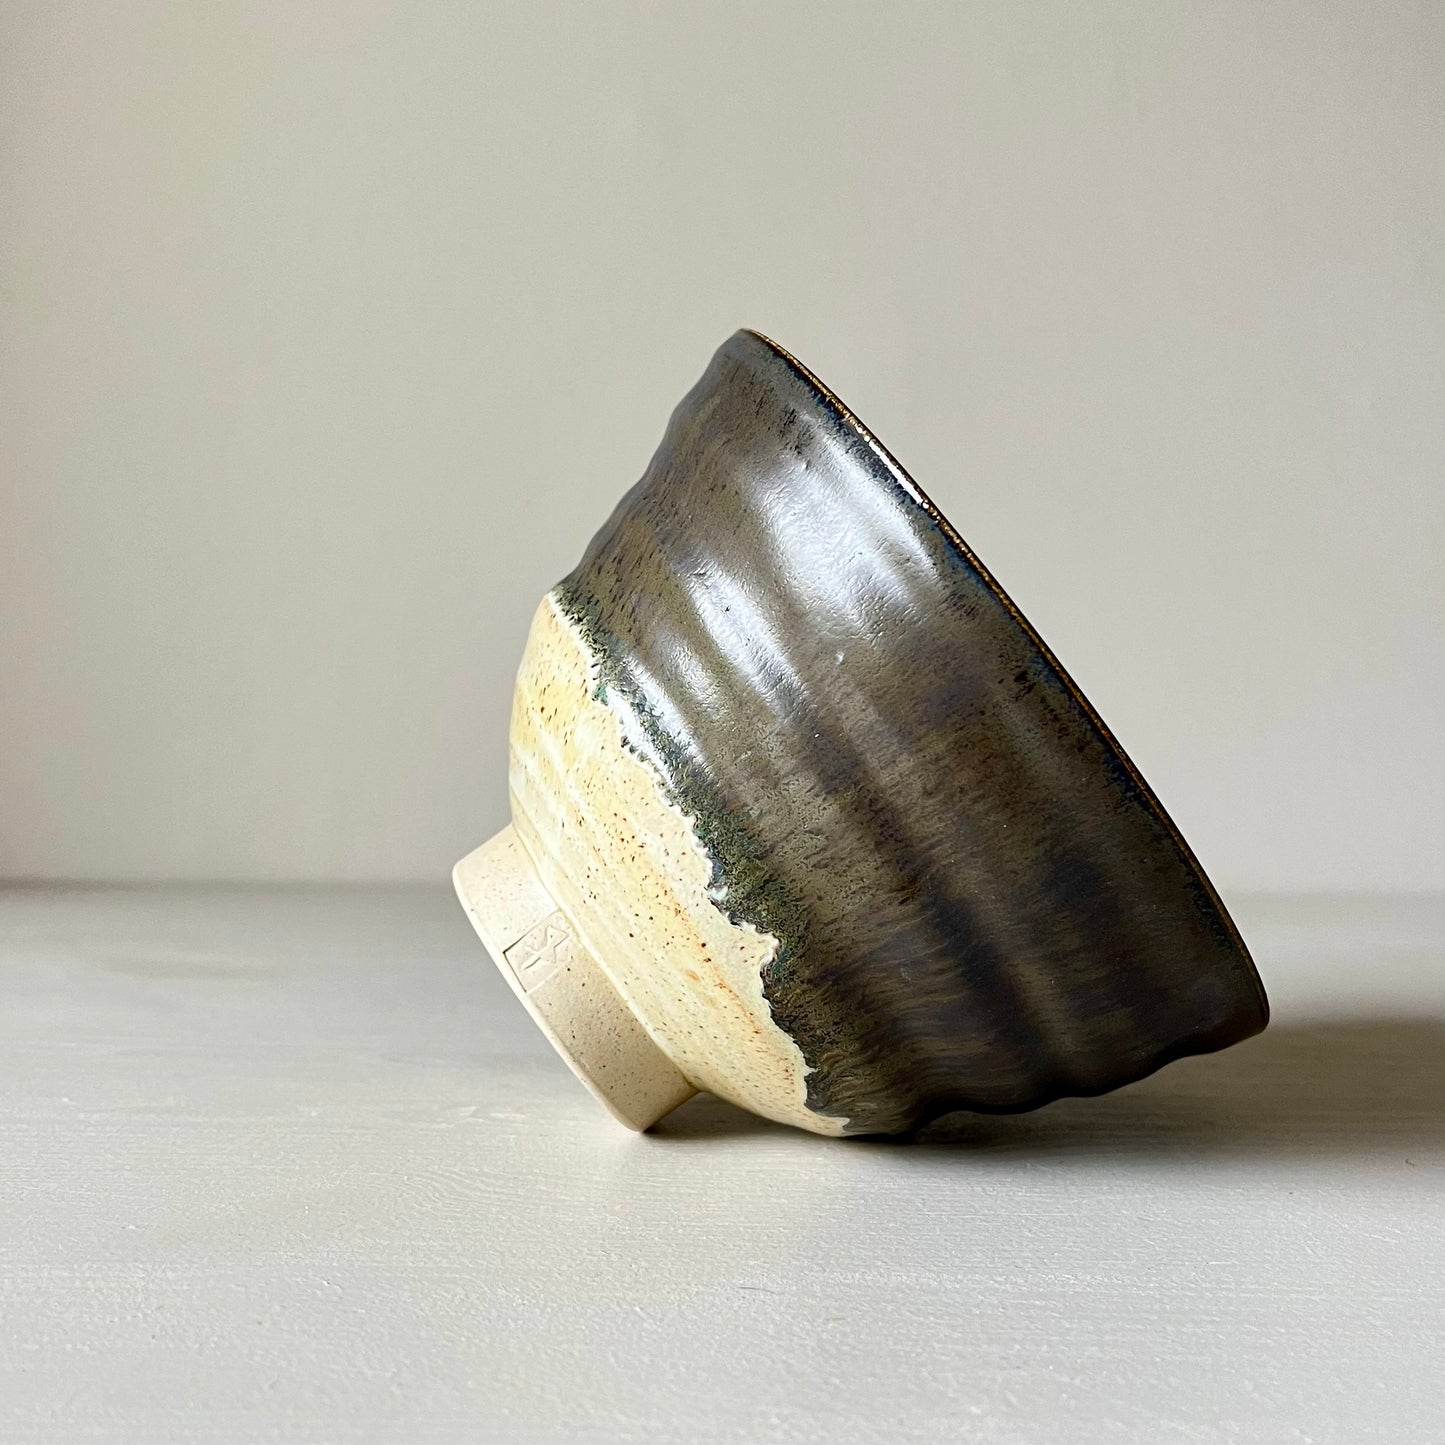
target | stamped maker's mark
x=541, y=951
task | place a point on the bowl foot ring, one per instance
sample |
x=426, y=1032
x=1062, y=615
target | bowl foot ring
x=543, y=958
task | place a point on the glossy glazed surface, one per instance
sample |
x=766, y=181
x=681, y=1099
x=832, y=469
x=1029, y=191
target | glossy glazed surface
x=977, y=901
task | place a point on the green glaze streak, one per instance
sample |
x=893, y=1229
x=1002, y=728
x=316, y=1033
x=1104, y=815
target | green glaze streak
x=742, y=884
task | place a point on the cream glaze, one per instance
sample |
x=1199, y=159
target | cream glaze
x=626, y=866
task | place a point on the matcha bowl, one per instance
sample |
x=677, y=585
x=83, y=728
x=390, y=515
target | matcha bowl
x=805, y=813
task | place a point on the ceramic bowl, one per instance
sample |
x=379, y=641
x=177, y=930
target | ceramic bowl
x=806, y=814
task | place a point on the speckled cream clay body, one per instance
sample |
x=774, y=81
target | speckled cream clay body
x=805, y=814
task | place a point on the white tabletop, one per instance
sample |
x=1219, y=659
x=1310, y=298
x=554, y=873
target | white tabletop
x=285, y=1165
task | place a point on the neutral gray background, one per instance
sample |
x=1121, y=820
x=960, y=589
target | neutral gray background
x=330, y=332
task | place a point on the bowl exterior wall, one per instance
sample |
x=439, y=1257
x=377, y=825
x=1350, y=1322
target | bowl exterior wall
x=970, y=896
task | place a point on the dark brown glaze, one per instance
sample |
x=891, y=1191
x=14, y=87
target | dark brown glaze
x=979, y=902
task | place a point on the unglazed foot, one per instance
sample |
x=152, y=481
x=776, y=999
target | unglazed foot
x=541, y=956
